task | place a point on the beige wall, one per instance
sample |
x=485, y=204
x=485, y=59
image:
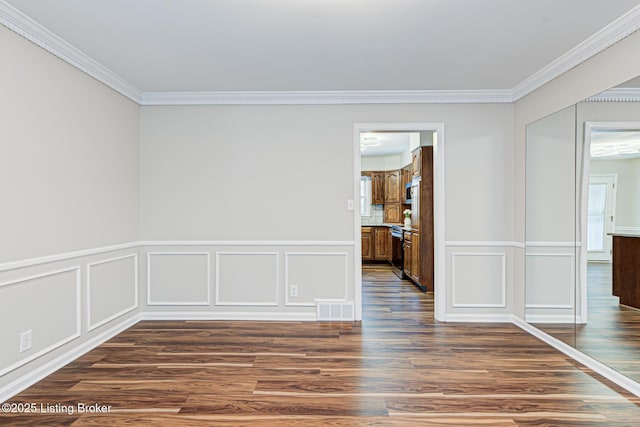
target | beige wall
x=611, y=67
x=69, y=157
x=69, y=167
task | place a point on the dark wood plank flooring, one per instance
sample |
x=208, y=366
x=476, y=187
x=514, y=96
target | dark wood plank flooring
x=396, y=368
x=612, y=332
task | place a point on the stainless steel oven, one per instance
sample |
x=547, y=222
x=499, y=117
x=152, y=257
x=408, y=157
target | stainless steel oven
x=397, y=251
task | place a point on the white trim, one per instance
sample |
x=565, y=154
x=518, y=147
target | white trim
x=246, y=243
x=328, y=97
x=479, y=318
x=73, y=336
x=13, y=265
x=617, y=94
x=92, y=326
x=569, y=319
x=30, y=378
x=540, y=244
x=171, y=303
x=503, y=256
x=230, y=315
x=622, y=27
x=286, y=276
x=246, y=303
x=440, y=303
x=26, y=27
x=483, y=244
x=598, y=367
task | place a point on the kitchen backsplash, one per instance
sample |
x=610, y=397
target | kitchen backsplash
x=377, y=216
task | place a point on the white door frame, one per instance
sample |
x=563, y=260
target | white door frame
x=584, y=203
x=438, y=209
x=610, y=211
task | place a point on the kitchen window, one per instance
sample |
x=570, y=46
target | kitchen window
x=365, y=196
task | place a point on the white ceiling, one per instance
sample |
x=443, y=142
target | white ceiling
x=379, y=144
x=323, y=45
x=617, y=144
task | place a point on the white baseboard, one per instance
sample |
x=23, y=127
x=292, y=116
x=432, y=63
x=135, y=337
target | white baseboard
x=550, y=318
x=50, y=367
x=479, y=318
x=598, y=367
x=236, y=315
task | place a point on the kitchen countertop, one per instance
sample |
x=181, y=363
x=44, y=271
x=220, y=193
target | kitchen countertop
x=389, y=226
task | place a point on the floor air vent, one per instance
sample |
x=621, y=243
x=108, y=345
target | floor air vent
x=336, y=311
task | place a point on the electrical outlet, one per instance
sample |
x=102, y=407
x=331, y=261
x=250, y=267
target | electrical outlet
x=25, y=340
x=293, y=290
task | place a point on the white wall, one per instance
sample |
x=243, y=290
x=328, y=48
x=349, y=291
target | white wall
x=627, y=189
x=284, y=174
x=611, y=67
x=69, y=165
x=550, y=218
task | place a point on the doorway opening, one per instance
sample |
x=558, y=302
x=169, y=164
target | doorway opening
x=400, y=172
x=609, y=195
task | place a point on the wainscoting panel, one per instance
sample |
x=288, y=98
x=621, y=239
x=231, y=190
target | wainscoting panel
x=310, y=276
x=478, y=279
x=178, y=278
x=550, y=280
x=247, y=278
x=48, y=305
x=112, y=289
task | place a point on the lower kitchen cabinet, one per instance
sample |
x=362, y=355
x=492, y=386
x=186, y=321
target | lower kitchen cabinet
x=408, y=253
x=376, y=243
x=367, y=243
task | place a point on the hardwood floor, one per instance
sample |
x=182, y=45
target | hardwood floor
x=612, y=333
x=396, y=368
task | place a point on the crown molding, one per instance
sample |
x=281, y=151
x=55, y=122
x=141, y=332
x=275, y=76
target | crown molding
x=327, y=97
x=621, y=94
x=619, y=29
x=26, y=27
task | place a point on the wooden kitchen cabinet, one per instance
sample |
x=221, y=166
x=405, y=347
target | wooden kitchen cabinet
x=408, y=253
x=381, y=244
x=416, y=161
x=406, y=175
x=392, y=191
x=377, y=188
x=367, y=243
x=393, y=213
x=414, y=257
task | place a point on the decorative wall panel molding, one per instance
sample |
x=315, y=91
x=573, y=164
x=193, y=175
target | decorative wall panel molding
x=247, y=278
x=482, y=279
x=553, y=277
x=316, y=275
x=178, y=278
x=116, y=284
x=44, y=291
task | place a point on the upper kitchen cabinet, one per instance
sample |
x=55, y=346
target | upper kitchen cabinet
x=377, y=188
x=392, y=190
x=416, y=161
x=392, y=213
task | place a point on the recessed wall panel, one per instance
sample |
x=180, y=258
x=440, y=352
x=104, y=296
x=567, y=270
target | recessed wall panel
x=112, y=289
x=247, y=278
x=550, y=280
x=178, y=278
x=48, y=305
x=314, y=276
x=478, y=279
